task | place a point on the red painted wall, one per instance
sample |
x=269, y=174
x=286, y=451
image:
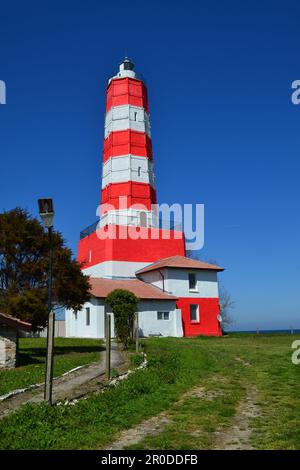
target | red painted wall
x=142, y=249
x=209, y=309
x=136, y=193
x=127, y=142
x=126, y=91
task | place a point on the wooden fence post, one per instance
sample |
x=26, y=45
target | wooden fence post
x=137, y=342
x=49, y=358
x=108, y=344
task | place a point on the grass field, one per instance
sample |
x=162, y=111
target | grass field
x=226, y=369
x=69, y=353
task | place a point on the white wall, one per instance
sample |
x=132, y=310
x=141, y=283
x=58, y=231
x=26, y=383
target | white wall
x=130, y=216
x=121, y=118
x=150, y=325
x=78, y=328
x=111, y=269
x=148, y=322
x=177, y=282
x=127, y=168
x=154, y=278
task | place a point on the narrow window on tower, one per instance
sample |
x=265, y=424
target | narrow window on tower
x=143, y=219
x=139, y=171
x=135, y=116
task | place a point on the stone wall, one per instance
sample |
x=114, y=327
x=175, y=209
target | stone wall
x=8, y=347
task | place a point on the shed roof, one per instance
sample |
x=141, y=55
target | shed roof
x=179, y=262
x=14, y=323
x=101, y=287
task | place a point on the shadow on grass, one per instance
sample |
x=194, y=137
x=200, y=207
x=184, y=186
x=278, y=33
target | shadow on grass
x=37, y=355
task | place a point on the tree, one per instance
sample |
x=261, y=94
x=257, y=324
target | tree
x=24, y=260
x=124, y=306
x=226, y=305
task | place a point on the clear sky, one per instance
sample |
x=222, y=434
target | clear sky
x=225, y=132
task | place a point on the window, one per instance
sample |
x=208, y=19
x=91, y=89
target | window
x=139, y=171
x=143, y=219
x=194, y=313
x=75, y=314
x=163, y=315
x=192, y=281
x=135, y=115
x=88, y=316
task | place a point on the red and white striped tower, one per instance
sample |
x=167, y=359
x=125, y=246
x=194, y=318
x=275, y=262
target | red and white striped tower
x=128, y=189
x=128, y=179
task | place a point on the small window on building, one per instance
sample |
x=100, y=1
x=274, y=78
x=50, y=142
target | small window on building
x=194, y=313
x=135, y=116
x=139, y=171
x=163, y=315
x=192, y=281
x=88, y=316
x=75, y=314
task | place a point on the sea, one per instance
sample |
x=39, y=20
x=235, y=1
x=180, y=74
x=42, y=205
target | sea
x=265, y=332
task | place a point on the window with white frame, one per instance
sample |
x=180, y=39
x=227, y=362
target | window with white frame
x=194, y=313
x=163, y=315
x=88, y=316
x=192, y=281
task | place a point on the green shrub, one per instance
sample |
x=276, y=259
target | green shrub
x=124, y=306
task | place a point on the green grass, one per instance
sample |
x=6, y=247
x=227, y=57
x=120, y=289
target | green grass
x=69, y=353
x=176, y=366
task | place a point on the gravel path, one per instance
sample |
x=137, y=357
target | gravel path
x=68, y=387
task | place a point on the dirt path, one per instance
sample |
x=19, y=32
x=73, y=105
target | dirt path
x=68, y=387
x=152, y=426
x=238, y=435
x=156, y=424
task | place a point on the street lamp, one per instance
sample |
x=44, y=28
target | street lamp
x=47, y=215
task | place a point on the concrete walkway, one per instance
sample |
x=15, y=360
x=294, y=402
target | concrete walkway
x=68, y=387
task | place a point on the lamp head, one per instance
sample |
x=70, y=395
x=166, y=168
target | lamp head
x=46, y=212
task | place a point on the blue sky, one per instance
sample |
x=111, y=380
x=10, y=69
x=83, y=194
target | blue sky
x=225, y=132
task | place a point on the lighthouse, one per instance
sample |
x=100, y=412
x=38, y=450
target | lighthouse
x=128, y=177
x=128, y=194
x=128, y=248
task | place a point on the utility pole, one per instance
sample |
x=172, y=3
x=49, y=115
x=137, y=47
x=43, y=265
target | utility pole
x=108, y=345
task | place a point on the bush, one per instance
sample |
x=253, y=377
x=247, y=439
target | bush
x=124, y=306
